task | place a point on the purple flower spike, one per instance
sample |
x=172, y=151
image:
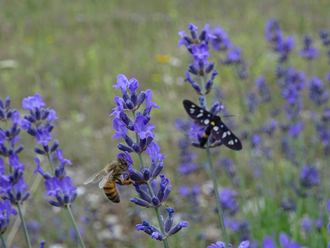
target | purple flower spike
x=120, y=107
x=122, y=83
x=39, y=169
x=32, y=102
x=121, y=128
x=154, y=151
x=200, y=53
x=14, y=161
x=142, y=129
x=149, y=103
x=44, y=137
x=177, y=228
x=268, y=242
x=218, y=244
x=245, y=244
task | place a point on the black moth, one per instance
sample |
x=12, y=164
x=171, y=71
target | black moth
x=212, y=124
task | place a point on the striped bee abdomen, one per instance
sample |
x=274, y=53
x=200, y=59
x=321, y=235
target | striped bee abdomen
x=110, y=190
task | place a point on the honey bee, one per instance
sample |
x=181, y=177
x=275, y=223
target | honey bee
x=109, y=176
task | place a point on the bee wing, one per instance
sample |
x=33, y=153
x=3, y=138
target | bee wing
x=96, y=177
x=105, y=179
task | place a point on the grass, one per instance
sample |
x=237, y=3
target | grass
x=70, y=52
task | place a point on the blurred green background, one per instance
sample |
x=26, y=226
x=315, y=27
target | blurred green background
x=70, y=52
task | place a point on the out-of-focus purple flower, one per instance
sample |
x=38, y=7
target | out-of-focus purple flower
x=221, y=41
x=317, y=93
x=283, y=47
x=184, y=190
x=263, y=88
x=196, y=131
x=273, y=31
x=233, y=55
x=251, y=102
x=228, y=201
x=6, y=211
x=306, y=224
x=268, y=243
x=229, y=167
x=270, y=127
x=324, y=35
x=5, y=184
x=33, y=102
x=308, y=52
x=296, y=129
x=286, y=242
x=309, y=177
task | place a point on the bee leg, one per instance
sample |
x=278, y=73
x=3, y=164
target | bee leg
x=118, y=181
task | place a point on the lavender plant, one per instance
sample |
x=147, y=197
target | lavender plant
x=144, y=142
x=197, y=45
x=58, y=185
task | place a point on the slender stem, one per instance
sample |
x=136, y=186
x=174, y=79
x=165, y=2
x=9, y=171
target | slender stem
x=81, y=242
x=51, y=164
x=213, y=176
x=151, y=192
x=216, y=194
x=27, y=239
x=3, y=241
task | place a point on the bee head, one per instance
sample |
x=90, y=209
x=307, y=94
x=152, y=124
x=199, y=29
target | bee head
x=123, y=164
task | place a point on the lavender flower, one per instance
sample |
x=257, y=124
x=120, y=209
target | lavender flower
x=308, y=52
x=203, y=37
x=186, y=156
x=39, y=123
x=306, y=224
x=220, y=244
x=5, y=111
x=168, y=223
x=63, y=190
x=286, y=242
x=144, y=142
x=309, y=177
x=10, y=136
x=221, y=42
x=317, y=93
x=263, y=89
x=6, y=211
x=228, y=201
x=268, y=243
x=147, y=200
x=279, y=44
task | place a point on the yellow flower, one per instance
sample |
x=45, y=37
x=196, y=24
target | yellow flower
x=162, y=58
x=50, y=39
x=156, y=78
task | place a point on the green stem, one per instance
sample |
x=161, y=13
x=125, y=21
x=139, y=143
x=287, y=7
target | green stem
x=216, y=194
x=27, y=239
x=213, y=176
x=3, y=241
x=81, y=242
x=151, y=192
x=51, y=164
